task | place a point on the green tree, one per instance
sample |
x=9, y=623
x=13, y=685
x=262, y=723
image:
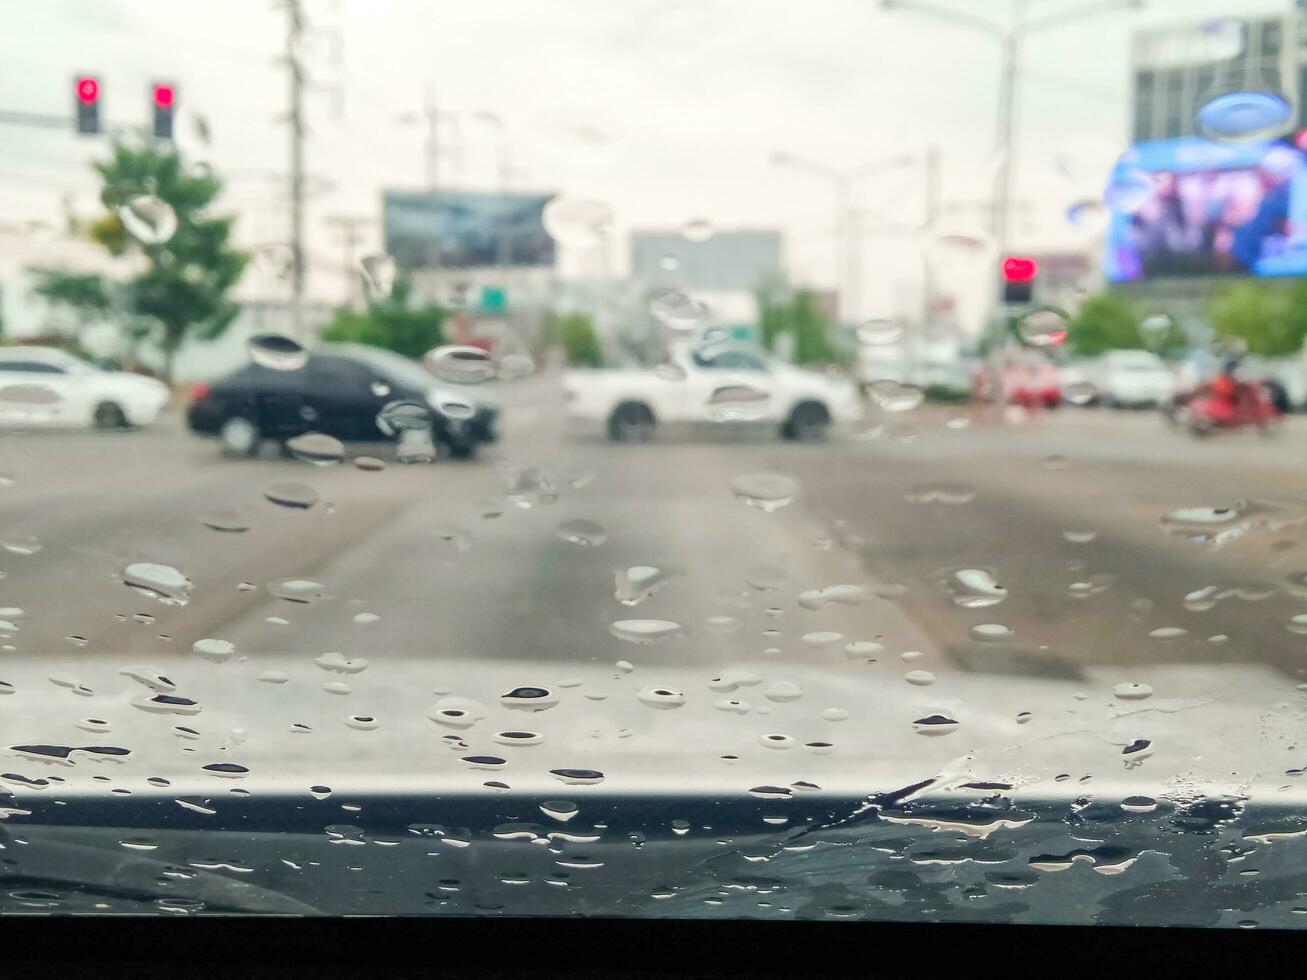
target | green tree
x=580, y=343
x=183, y=288
x=1108, y=321
x=798, y=314
x=391, y=323
x=1269, y=318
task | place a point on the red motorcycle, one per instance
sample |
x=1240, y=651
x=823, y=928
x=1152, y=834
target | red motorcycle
x=1226, y=403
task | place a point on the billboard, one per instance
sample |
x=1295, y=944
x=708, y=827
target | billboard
x=1191, y=207
x=466, y=229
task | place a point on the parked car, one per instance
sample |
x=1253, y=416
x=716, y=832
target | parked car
x=1130, y=379
x=720, y=382
x=339, y=391
x=1024, y=377
x=45, y=387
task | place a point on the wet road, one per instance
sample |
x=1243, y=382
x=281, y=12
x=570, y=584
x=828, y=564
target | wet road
x=432, y=561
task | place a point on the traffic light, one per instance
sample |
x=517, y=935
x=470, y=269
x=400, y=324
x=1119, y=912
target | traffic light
x=86, y=100
x=1019, y=278
x=165, y=101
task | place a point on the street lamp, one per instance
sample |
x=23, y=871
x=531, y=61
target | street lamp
x=846, y=264
x=1009, y=39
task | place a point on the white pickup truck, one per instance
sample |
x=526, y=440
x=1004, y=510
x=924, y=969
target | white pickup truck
x=720, y=382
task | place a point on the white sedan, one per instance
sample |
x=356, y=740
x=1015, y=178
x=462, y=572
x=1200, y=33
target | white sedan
x=715, y=382
x=41, y=387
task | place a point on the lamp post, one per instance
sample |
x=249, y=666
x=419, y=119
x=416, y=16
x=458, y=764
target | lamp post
x=1009, y=38
x=847, y=267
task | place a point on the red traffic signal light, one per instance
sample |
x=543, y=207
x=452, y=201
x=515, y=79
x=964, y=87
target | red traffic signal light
x=1019, y=268
x=86, y=104
x=164, y=96
x=88, y=89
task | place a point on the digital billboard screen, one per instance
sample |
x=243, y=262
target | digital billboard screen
x=1192, y=207
x=466, y=229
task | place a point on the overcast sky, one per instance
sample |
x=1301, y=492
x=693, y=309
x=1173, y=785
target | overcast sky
x=690, y=97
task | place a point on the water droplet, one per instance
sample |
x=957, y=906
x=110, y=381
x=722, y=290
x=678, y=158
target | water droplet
x=1129, y=190
x=316, y=448
x=151, y=677
x=776, y=741
x=1168, y=633
x=634, y=584
x=1137, y=750
x=578, y=777
x=782, y=692
x=698, y=230
x=822, y=639
x=895, y=396
x=274, y=677
x=362, y=723
x=77, y=641
x=1139, y=804
x=1023, y=717
x=378, y=275
x=216, y=651
x=416, y=448
x=990, y=633
x=863, y=650
x=721, y=625
x=974, y=588
x=1043, y=328
x=148, y=219
x=669, y=263
x=403, y=415
x=1079, y=535
x=233, y=521
x=844, y=595
x=97, y=726
x=880, y=333
x=920, y=678
x=276, y=352
x=514, y=365
x=660, y=697
x=1237, y=117
x=677, y=311
x=935, y=725
x=766, y=491
x=577, y=221
x=168, y=704
x=644, y=630
x=456, y=712
x=338, y=663
x=737, y=402
x=529, y=698
x=162, y=582
x=452, y=406
x=940, y=493
x=1088, y=214
x=296, y=496
x=298, y=590
x=337, y=687
x=670, y=372
x=1079, y=392
x=582, y=532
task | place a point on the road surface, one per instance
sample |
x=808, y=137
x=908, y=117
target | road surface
x=432, y=561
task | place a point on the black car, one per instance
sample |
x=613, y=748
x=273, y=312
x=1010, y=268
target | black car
x=340, y=390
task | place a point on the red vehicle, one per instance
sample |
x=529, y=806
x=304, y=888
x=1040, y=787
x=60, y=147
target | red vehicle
x=1225, y=403
x=1025, y=378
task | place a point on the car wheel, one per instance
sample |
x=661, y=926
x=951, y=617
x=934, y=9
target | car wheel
x=807, y=423
x=108, y=415
x=239, y=437
x=631, y=422
x=461, y=450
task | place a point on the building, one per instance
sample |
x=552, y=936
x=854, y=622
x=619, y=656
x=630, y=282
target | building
x=1176, y=70
x=729, y=260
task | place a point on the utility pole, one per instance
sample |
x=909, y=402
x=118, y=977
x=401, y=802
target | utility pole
x=348, y=226
x=294, y=40
x=929, y=219
x=432, y=157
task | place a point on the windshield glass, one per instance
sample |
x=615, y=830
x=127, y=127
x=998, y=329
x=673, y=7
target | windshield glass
x=719, y=459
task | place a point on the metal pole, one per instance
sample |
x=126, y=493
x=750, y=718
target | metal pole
x=1006, y=141
x=931, y=216
x=431, y=163
x=843, y=241
x=293, y=37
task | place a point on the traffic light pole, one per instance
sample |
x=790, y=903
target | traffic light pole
x=293, y=46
